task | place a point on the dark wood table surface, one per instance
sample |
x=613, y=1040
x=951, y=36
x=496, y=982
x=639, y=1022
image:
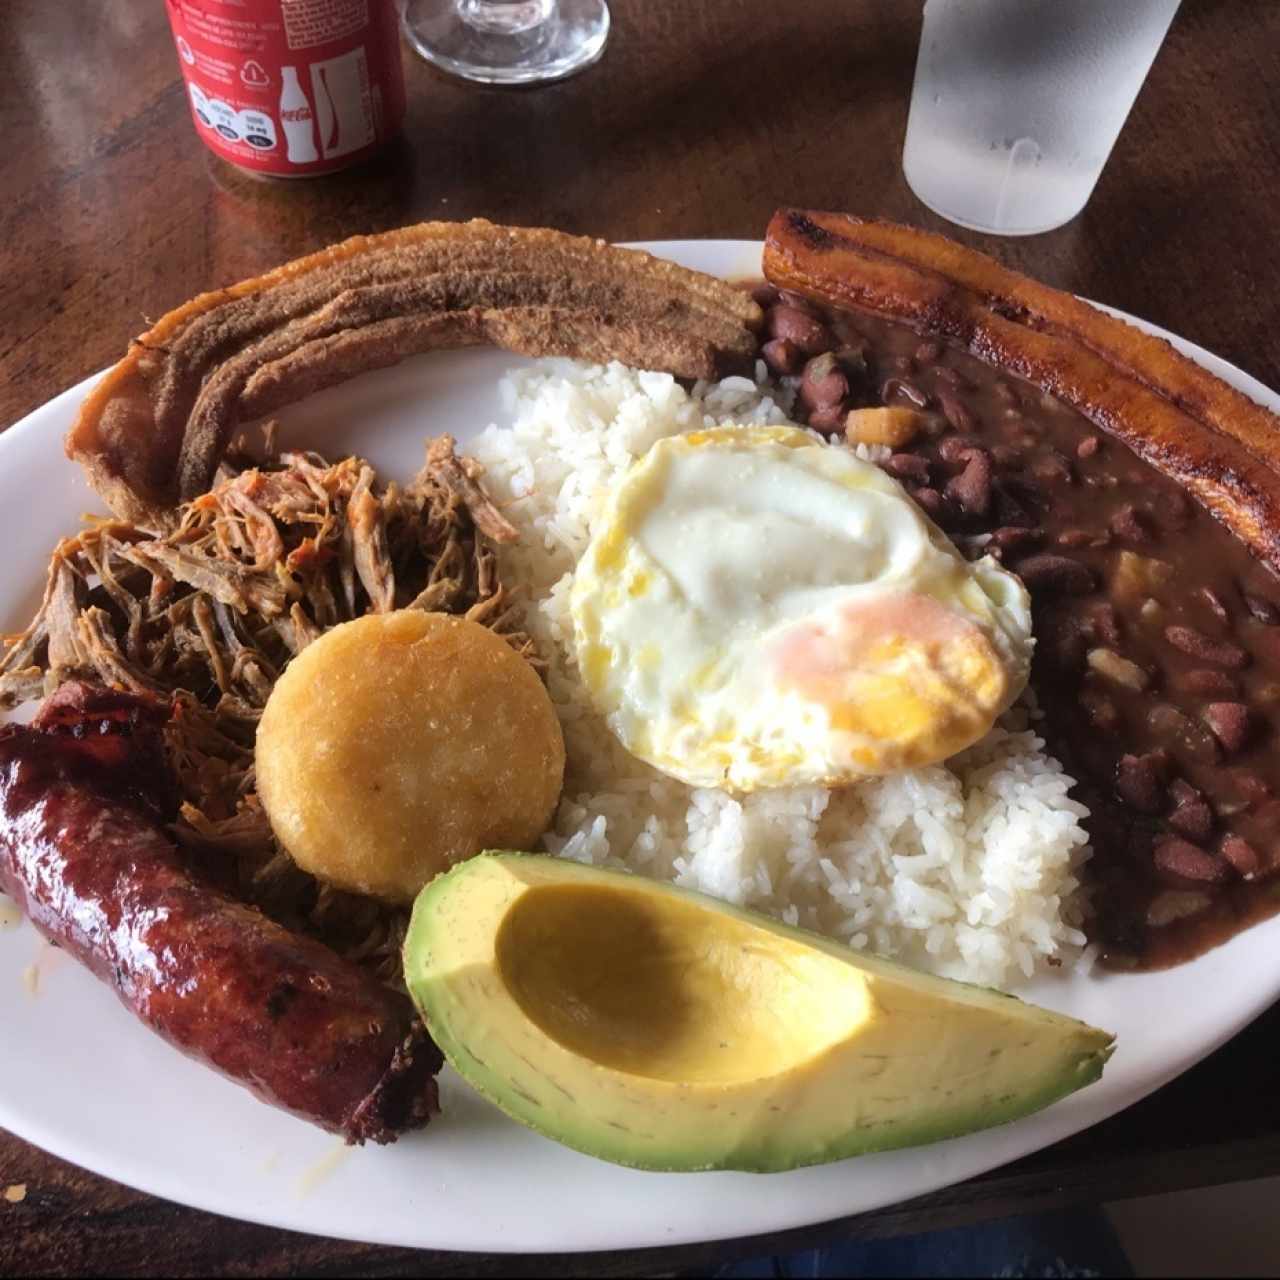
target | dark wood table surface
x=701, y=118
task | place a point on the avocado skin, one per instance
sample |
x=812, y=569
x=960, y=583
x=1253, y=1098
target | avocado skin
x=680, y=1137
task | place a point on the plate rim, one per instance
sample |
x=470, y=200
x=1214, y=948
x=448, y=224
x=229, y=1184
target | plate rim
x=133, y=1172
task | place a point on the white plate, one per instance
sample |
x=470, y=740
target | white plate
x=81, y=1078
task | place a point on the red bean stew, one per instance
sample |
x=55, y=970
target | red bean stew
x=1157, y=633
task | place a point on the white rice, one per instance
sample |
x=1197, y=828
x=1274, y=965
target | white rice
x=970, y=870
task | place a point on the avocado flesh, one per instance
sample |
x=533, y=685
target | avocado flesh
x=657, y=1028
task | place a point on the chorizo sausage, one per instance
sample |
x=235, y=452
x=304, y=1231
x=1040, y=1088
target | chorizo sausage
x=84, y=796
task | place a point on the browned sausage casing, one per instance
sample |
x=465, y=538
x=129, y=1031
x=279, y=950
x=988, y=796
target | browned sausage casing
x=84, y=852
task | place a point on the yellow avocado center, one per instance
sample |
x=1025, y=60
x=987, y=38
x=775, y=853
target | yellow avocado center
x=665, y=989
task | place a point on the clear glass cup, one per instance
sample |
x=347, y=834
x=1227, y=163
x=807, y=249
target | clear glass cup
x=508, y=41
x=1017, y=104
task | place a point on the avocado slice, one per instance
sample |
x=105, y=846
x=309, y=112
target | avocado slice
x=658, y=1028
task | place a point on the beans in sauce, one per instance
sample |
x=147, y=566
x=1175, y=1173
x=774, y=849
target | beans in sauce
x=1158, y=633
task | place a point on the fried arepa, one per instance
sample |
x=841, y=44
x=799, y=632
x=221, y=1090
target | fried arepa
x=399, y=744
x=1218, y=444
x=151, y=433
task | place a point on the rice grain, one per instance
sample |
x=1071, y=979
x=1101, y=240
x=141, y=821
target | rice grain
x=969, y=869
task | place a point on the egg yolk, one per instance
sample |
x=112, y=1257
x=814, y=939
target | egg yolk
x=899, y=674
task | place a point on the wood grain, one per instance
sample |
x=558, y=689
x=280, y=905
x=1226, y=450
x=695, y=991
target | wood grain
x=699, y=121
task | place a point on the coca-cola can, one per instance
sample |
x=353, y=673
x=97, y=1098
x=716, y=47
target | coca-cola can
x=291, y=88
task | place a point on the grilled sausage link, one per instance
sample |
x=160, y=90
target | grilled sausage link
x=84, y=794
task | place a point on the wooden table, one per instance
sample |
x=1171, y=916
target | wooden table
x=700, y=120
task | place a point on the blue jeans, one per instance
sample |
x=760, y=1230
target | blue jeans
x=1073, y=1242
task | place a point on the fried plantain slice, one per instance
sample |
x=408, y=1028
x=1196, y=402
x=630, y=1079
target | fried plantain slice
x=1222, y=447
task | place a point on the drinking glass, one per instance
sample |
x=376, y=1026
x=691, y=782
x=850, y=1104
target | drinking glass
x=1017, y=104
x=508, y=41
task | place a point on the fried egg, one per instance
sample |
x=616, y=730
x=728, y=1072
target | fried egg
x=758, y=609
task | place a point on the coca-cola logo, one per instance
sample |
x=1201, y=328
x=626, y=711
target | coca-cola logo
x=291, y=115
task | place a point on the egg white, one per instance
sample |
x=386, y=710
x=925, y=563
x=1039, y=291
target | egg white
x=758, y=609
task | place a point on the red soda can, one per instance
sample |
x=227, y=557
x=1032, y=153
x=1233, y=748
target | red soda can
x=291, y=88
